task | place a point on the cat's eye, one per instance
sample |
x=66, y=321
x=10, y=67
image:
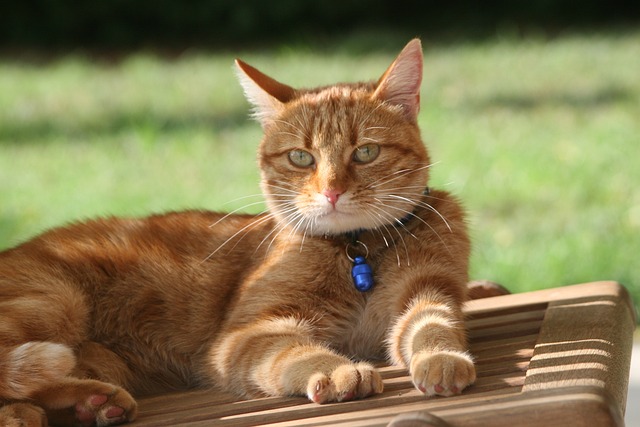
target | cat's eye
x=301, y=158
x=366, y=153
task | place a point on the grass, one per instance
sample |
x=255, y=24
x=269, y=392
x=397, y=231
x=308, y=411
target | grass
x=539, y=137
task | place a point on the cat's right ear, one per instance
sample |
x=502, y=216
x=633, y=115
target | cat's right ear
x=400, y=84
x=267, y=95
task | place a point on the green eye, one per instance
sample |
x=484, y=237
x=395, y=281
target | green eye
x=301, y=158
x=366, y=153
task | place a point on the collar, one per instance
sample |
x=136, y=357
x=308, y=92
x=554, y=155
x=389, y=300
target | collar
x=361, y=271
x=353, y=236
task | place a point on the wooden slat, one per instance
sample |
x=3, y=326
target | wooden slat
x=541, y=357
x=585, y=342
x=382, y=416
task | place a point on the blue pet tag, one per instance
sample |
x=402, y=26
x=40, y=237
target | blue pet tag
x=361, y=272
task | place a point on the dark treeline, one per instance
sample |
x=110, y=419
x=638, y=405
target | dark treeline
x=133, y=23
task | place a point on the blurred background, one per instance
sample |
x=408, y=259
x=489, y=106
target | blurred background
x=230, y=23
x=531, y=110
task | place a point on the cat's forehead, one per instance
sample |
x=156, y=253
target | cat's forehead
x=336, y=102
x=336, y=92
x=331, y=114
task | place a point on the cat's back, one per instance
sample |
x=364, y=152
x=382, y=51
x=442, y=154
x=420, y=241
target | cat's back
x=134, y=253
x=159, y=279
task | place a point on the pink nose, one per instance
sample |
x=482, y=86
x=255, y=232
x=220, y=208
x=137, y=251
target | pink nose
x=332, y=196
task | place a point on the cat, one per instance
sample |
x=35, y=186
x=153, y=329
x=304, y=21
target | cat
x=355, y=260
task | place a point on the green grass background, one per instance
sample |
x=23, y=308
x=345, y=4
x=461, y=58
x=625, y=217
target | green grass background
x=538, y=136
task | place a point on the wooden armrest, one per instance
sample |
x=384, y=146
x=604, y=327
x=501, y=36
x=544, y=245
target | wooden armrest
x=554, y=357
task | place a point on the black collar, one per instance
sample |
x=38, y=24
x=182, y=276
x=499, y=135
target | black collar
x=353, y=236
x=361, y=271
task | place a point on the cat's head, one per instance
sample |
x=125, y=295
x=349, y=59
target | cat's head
x=344, y=157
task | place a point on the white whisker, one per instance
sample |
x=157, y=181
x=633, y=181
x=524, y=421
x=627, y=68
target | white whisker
x=242, y=198
x=419, y=203
x=236, y=211
x=384, y=226
x=291, y=213
x=281, y=227
x=259, y=220
x=401, y=171
x=388, y=218
x=366, y=119
x=378, y=222
x=289, y=190
x=304, y=235
x=295, y=228
x=397, y=175
x=409, y=213
x=409, y=189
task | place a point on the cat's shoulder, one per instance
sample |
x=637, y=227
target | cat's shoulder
x=441, y=199
x=442, y=210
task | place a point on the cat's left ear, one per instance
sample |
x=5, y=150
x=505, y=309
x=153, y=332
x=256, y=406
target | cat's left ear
x=400, y=84
x=267, y=95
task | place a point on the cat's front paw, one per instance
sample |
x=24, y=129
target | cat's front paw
x=346, y=382
x=443, y=373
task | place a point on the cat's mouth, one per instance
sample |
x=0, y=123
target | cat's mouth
x=339, y=220
x=336, y=215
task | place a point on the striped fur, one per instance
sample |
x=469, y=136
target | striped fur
x=95, y=312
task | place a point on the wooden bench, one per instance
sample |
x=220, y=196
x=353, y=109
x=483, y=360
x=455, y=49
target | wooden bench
x=553, y=357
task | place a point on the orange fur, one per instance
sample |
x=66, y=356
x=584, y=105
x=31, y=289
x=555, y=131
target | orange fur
x=259, y=305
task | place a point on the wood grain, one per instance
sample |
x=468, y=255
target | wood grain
x=554, y=357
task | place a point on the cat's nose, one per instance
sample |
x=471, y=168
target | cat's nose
x=332, y=196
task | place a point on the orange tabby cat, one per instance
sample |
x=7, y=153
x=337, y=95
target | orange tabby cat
x=258, y=305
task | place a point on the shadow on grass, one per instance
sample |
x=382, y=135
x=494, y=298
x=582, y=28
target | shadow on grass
x=116, y=122
x=572, y=99
x=113, y=123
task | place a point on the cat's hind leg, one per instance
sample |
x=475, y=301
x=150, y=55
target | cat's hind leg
x=30, y=362
x=74, y=401
x=22, y=414
x=27, y=368
x=41, y=337
x=91, y=396
x=41, y=373
x=37, y=333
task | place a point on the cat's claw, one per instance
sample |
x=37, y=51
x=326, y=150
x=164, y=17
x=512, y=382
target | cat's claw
x=444, y=373
x=347, y=382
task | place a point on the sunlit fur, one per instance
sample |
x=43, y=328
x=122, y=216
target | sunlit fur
x=95, y=312
x=330, y=124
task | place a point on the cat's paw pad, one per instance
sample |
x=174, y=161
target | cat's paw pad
x=106, y=409
x=346, y=382
x=443, y=373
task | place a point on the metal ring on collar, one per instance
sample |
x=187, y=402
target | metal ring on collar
x=352, y=246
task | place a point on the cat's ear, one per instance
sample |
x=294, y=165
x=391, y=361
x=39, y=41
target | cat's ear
x=267, y=95
x=400, y=84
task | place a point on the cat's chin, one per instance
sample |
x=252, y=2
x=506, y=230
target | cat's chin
x=336, y=223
